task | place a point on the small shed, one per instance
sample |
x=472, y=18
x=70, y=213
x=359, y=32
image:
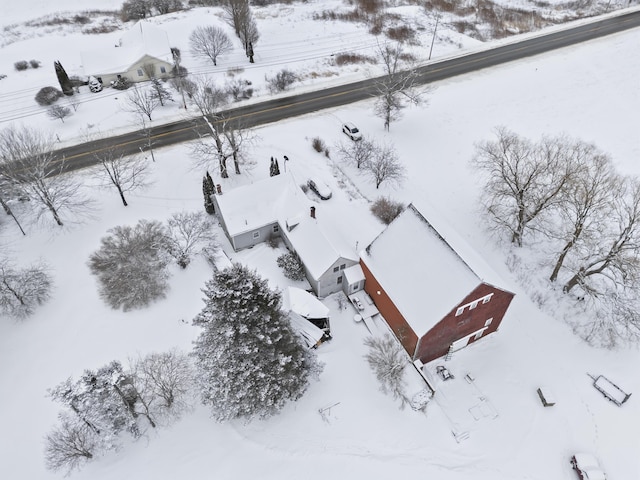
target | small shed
x=306, y=306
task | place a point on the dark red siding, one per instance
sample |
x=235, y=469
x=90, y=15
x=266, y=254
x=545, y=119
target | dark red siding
x=391, y=314
x=436, y=342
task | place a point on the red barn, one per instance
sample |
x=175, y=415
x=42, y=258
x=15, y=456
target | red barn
x=436, y=298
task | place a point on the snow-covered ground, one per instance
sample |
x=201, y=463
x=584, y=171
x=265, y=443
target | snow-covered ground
x=589, y=91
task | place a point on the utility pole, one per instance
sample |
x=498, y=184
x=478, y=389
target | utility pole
x=433, y=40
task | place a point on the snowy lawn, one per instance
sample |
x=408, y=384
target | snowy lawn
x=588, y=91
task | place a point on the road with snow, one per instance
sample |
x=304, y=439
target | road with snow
x=83, y=155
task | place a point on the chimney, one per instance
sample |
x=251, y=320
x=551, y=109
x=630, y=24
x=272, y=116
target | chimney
x=313, y=212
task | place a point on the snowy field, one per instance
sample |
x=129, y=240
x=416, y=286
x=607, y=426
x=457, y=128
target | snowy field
x=590, y=91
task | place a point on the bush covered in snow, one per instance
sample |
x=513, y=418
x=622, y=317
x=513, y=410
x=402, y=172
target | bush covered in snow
x=48, y=96
x=291, y=266
x=386, y=210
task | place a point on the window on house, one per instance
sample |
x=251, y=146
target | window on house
x=340, y=279
x=140, y=72
x=256, y=234
x=354, y=287
x=459, y=311
x=336, y=269
x=276, y=228
x=343, y=266
x=163, y=70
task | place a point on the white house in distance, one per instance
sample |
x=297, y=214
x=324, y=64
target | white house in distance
x=277, y=206
x=142, y=47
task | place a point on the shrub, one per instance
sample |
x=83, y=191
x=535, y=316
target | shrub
x=352, y=58
x=386, y=210
x=318, y=144
x=239, y=89
x=2, y=77
x=282, y=80
x=21, y=65
x=48, y=96
x=401, y=34
x=121, y=84
x=291, y=265
x=34, y=63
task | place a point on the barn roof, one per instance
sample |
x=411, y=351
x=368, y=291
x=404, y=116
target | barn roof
x=426, y=272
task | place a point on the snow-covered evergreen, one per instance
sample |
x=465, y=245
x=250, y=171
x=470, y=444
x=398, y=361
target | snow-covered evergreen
x=249, y=361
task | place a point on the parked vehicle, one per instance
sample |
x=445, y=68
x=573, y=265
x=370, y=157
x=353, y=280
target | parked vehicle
x=587, y=466
x=351, y=131
x=320, y=188
x=94, y=85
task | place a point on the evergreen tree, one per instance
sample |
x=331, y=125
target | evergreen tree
x=276, y=168
x=63, y=78
x=249, y=361
x=272, y=167
x=208, y=190
x=158, y=91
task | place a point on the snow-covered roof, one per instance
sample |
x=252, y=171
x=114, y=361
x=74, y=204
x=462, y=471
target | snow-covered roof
x=266, y=201
x=314, y=248
x=353, y=274
x=304, y=304
x=143, y=39
x=419, y=270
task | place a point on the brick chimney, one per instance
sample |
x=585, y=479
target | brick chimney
x=313, y=212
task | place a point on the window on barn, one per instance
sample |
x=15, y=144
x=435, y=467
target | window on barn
x=256, y=234
x=488, y=322
x=473, y=305
x=487, y=298
x=140, y=72
x=459, y=311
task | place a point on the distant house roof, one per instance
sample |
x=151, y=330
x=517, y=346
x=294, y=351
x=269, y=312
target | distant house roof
x=142, y=40
x=425, y=272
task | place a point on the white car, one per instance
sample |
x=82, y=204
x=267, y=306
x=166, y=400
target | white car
x=94, y=85
x=587, y=466
x=351, y=131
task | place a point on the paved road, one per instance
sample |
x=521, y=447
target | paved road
x=81, y=156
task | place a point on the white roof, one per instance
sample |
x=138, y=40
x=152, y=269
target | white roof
x=307, y=330
x=353, y=274
x=143, y=39
x=266, y=201
x=314, y=248
x=304, y=304
x=419, y=271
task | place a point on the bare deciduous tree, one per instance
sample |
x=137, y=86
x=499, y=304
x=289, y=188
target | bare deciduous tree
x=189, y=232
x=208, y=97
x=131, y=265
x=615, y=255
x=523, y=180
x=388, y=360
x=164, y=383
x=58, y=112
x=22, y=290
x=385, y=166
x=27, y=164
x=358, y=153
x=141, y=101
x=397, y=87
x=585, y=204
x=210, y=42
x=124, y=173
x=69, y=445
